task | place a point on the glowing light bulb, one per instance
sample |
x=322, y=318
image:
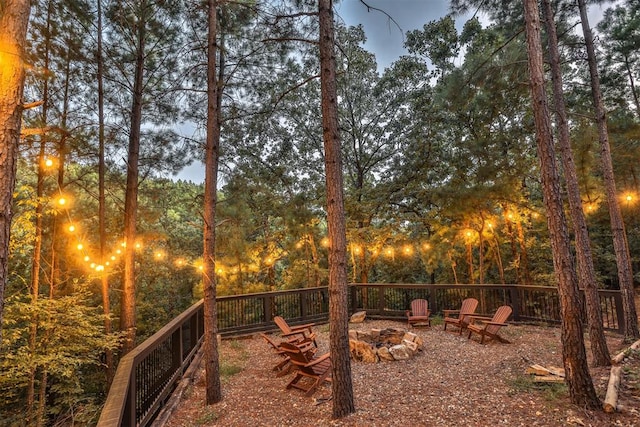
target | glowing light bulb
x=80, y=246
x=71, y=228
x=86, y=258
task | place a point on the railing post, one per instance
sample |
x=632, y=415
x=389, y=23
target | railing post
x=266, y=308
x=303, y=298
x=176, y=350
x=193, y=331
x=433, y=302
x=381, y=300
x=354, y=298
x=515, y=303
x=129, y=417
x=617, y=297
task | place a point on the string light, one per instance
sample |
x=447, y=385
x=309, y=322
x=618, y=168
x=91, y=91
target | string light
x=356, y=249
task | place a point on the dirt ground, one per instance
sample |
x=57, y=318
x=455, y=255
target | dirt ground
x=452, y=381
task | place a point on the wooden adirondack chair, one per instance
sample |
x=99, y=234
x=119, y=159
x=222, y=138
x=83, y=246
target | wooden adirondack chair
x=315, y=369
x=295, y=334
x=284, y=366
x=489, y=327
x=419, y=313
x=461, y=320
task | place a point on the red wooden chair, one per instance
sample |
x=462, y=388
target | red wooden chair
x=295, y=334
x=462, y=316
x=284, y=366
x=315, y=369
x=419, y=313
x=489, y=327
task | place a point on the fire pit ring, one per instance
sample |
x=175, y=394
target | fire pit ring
x=388, y=344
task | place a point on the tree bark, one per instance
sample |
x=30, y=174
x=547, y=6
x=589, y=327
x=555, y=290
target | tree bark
x=620, y=244
x=211, y=358
x=586, y=271
x=128, y=303
x=342, y=387
x=102, y=216
x=14, y=20
x=579, y=381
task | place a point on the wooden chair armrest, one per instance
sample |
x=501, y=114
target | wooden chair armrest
x=305, y=326
x=305, y=345
x=481, y=318
x=497, y=323
x=319, y=359
x=288, y=334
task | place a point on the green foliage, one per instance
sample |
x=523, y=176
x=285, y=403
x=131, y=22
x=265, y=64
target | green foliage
x=66, y=353
x=208, y=416
x=526, y=384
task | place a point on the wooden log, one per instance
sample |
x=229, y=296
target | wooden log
x=548, y=379
x=556, y=371
x=537, y=370
x=611, y=398
x=618, y=358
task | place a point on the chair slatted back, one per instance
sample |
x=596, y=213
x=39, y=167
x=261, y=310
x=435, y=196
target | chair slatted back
x=501, y=315
x=420, y=307
x=467, y=308
x=282, y=324
x=298, y=356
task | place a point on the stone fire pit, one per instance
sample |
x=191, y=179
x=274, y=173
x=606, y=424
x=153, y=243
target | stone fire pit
x=383, y=344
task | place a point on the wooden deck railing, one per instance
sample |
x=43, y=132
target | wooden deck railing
x=147, y=375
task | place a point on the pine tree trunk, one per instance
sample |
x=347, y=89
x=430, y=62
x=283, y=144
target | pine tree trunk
x=13, y=29
x=514, y=252
x=37, y=245
x=211, y=358
x=481, y=254
x=102, y=216
x=586, y=271
x=342, y=387
x=128, y=303
x=578, y=379
x=61, y=150
x=524, y=256
x=620, y=245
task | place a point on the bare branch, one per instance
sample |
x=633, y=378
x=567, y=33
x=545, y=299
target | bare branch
x=295, y=15
x=370, y=8
x=302, y=83
x=32, y=105
x=290, y=39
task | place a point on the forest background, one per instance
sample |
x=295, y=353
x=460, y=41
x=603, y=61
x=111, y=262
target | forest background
x=441, y=176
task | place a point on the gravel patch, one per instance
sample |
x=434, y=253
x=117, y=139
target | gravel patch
x=452, y=381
